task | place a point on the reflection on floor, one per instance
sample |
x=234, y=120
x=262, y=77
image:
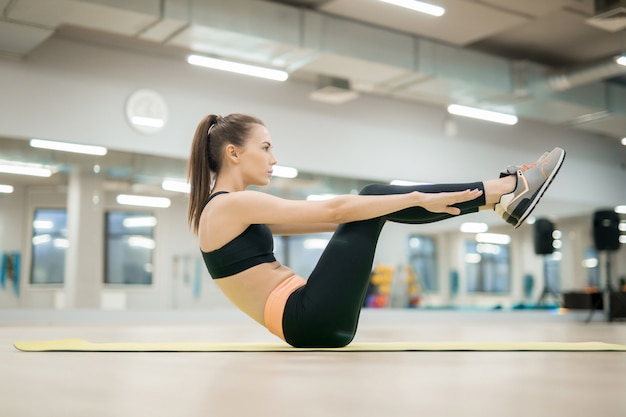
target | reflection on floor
x=311, y=383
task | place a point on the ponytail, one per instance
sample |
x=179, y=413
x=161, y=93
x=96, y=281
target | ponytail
x=199, y=171
x=205, y=160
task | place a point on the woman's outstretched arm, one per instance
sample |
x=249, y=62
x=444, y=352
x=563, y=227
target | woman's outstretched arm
x=249, y=207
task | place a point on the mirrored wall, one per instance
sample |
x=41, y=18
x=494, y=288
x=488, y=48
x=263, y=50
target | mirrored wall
x=125, y=253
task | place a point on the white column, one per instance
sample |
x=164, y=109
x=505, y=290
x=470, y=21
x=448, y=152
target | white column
x=84, y=265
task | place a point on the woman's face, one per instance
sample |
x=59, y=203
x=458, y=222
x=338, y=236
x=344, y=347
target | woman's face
x=257, y=157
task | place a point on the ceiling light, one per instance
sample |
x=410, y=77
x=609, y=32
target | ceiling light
x=179, y=186
x=43, y=225
x=68, y=147
x=497, y=239
x=143, y=201
x=418, y=6
x=148, y=221
x=621, y=60
x=620, y=209
x=61, y=243
x=472, y=258
x=41, y=239
x=470, y=227
x=590, y=263
x=6, y=189
x=284, y=172
x=624, y=141
x=141, y=242
x=35, y=170
x=490, y=116
x=488, y=248
x=255, y=71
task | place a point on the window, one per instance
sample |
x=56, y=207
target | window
x=552, y=271
x=591, y=263
x=423, y=259
x=49, y=245
x=487, y=267
x=302, y=252
x=129, y=248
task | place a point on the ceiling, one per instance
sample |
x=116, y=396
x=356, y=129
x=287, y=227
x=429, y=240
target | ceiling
x=549, y=61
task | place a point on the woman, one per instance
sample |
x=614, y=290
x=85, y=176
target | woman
x=235, y=228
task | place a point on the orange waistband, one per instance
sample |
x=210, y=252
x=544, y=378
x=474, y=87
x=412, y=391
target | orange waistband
x=275, y=304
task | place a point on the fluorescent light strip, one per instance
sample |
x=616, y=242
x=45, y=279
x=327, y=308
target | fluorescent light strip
x=487, y=115
x=220, y=64
x=41, y=239
x=61, y=243
x=418, y=6
x=141, y=242
x=148, y=221
x=43, y=224
x=143, y=201
x=179, y=186
x=470, y=227
x=6, y=189
x=68, y=147
x=284, y=172
x=493, y=238
x=621, y=60
x=34, y=170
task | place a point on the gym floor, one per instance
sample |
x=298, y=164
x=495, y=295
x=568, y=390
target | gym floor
x=394, y=384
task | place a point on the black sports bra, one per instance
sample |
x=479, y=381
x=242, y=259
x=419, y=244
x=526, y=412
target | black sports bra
x=252, y=247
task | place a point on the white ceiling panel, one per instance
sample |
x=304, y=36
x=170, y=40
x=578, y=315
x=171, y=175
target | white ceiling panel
x=162, y=30
x=455, y=91
x=534, y=8
x=20, y=39
x=614, y=125
x=463, y=23
x=356, y=70
x=53, y=13
x=234, y=45
x=561, y=36
x=560, y=112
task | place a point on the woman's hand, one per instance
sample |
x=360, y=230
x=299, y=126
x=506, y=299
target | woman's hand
x=443, y=202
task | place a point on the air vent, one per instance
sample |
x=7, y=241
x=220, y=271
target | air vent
x=333, y=90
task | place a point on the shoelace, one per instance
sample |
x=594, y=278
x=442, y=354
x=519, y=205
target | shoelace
x=526, y=167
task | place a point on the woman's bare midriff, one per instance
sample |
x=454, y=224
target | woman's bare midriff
x=249, y=290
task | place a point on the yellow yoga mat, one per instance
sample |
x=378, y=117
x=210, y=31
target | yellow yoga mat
x=79, y=345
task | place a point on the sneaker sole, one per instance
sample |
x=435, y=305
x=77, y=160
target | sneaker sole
x=540, y=193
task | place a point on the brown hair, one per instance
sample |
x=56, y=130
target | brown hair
x=211, y=137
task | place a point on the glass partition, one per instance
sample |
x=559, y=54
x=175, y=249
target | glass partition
x=49, y=243
x=129, y=248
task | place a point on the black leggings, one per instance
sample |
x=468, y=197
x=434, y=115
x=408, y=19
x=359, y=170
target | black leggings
x=325, y=312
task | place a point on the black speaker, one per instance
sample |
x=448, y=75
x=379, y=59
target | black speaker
x=606, y=230
x=543, y=237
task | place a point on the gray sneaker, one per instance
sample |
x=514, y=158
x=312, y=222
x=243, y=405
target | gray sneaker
x=532, y=182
